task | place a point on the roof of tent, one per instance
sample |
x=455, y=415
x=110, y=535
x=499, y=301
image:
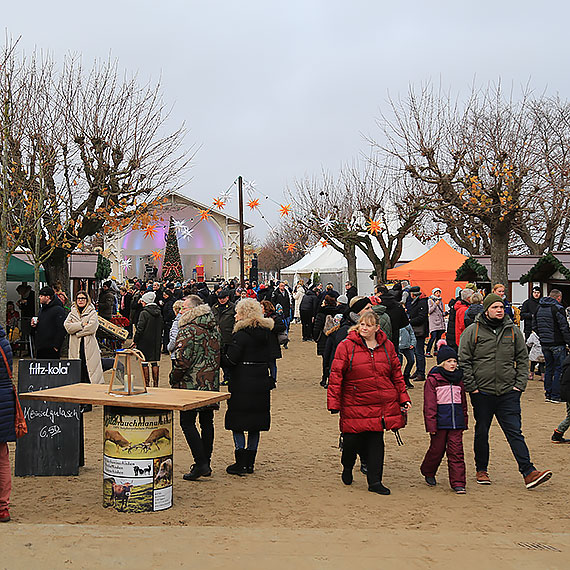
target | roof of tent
x=329, y=260
x=436, y=268
x=19, y=270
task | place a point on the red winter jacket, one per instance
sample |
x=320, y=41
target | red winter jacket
x=368, y=388
x=460, y=310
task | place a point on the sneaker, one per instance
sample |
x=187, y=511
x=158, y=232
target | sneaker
x=4, y=516
x=558, y=437
x=431, y=481
x=535, y=478
x=379, y=488
x=197, y=471
x=420, y=378
x=483, y=478
x=460, y=490
x=363, y=468
x=346, y=476
x=428, y=354
x=555, y=401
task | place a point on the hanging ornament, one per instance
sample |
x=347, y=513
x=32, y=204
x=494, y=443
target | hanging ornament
x=374, y=226
x=253, y=204
x=291, y=247
x=179, y=225
x=75, y=182
x=150, y=231
x=204, y=214
x=219, y=203
x=285, y=210
x=125, y=264
x=326, y=223
x=324, y=243
x=187, y=233
x=249, y=186
x=156, y=255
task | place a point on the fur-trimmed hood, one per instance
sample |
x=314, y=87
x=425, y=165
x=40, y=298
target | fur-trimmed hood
x=194, y=313
x=253, y=322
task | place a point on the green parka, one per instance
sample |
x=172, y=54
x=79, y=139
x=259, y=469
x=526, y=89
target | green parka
x=494, y=361
x=196, y=364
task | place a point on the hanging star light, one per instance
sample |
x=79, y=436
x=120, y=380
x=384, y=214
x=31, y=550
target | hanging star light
x=219, y=203
x=204, y=214
x=291, y=247
x=179, y=225
x=150, y=231
x=253, y=204
x=126, y=264
x=326, y=223
x=324, y=243
x=374, y=226
x=249, y=186
x=156, y=255
x=187, y=233
x=285, y=210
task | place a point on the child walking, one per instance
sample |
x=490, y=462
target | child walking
x=445, y=416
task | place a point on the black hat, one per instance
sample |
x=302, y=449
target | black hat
x=47, y=291
x=223, y=293
x=415, y=289
x=444, y=353
x=357, y=306
x=536, y=288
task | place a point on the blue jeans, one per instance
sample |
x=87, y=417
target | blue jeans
x=252, y=439
x=553, y=358
x=507, y=409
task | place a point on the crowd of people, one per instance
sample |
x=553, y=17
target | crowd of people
x=234, y=336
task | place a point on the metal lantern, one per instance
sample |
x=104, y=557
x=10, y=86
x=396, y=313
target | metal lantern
x=128, y=378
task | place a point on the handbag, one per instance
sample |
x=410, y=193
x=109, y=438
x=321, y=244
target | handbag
x=19, y=420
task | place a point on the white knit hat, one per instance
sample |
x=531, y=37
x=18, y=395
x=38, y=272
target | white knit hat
x=148, y=297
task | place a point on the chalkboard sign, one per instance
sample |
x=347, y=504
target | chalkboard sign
x=52, y=444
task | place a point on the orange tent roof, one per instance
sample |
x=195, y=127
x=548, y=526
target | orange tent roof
x=435, y=268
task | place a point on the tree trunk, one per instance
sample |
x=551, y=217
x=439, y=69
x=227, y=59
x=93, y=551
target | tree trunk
x=500, y=255
x=350, y=255
x=57, y=269
x=3, y=292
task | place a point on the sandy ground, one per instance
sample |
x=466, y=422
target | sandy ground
x=295, y=509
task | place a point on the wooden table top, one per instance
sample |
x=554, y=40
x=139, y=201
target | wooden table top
x=155, y=398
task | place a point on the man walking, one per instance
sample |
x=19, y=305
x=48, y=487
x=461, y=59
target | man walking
x=225, y=314
x=550, y=324
x=494, y=359
x=197, y=367
x=48, y=330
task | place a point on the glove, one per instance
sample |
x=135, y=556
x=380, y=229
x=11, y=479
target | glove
x=334, y=411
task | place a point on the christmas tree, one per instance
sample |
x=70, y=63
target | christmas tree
x=172, y=265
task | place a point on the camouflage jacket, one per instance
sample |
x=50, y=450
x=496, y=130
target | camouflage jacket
x=196, y=364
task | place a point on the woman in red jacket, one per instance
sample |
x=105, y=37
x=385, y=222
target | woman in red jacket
x=367, y=387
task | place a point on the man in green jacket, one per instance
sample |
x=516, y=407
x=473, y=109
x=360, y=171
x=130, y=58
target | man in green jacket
x=494, y=359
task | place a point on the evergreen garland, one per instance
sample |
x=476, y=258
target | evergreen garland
x=103, y=268
x=472, y=270
x=545, y=267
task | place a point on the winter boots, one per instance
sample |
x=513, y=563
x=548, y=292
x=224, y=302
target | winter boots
x=245, y=462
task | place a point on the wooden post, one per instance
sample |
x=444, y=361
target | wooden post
x=241, y=237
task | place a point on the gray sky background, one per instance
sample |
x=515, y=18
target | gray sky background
x=275, y=91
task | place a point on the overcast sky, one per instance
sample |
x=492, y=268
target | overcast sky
x=275, y=91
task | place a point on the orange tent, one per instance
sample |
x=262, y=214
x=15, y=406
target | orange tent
x=435, y=268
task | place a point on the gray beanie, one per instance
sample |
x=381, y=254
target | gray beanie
x=148, y=297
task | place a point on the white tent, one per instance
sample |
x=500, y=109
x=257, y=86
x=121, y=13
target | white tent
x=332, y=266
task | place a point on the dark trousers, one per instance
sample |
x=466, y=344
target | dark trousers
x=410, y=359
x=433, y=339
x=420, y=355
x=47, y=353
x=201, y=445
x=370, y=445
x=553, y=358
x=450, y=442
x=307, y=324
x=507, y=409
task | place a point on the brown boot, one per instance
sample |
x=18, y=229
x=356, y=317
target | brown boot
x=146, y=375
x=155, y=372
x=535, y=478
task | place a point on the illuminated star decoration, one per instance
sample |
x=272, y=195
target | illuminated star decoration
x=204, y=214
x=249, y=186
x=150, y=231
x=125, y=264
x=326, y=223
x=187, y=233
x=324, y=243
x=374, y=226
x=253, y=204
x=291, y=247
x=285, y=210
x=179, y=225
x=219, y=203
x=156, y=255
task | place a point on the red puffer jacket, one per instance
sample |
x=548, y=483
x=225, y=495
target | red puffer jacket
x=367, y=387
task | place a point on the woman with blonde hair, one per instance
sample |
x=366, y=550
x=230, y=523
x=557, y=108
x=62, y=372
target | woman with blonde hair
x=367, y=387
x=82, y=324
x=250, y=383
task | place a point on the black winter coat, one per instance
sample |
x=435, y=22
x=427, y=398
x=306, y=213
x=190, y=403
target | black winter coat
x=226, y=318
x=148, y=337
x=471, y=313
x=7, y=405
x=105, y=304
x=334, y=338
x=528, y=310
x=397, y=315
x=283, y=299
x=278, y=327
x=50, y=332
x=309, y=302
x=250, y=382
x=168, y=315
x=450, y=333
x=351, y=292
x=318, y=334
x=418, y=315
x=550, y=323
